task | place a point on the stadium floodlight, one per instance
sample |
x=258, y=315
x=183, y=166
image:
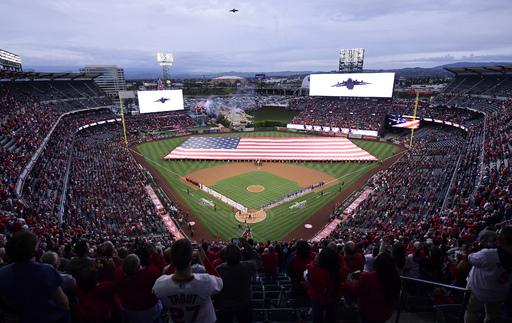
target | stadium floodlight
x=351, y=60
x=165, y=60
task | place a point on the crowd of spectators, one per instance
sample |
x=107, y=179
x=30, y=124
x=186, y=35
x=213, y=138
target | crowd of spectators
x=412, y=189
x=369, y=114
x=100, y=282
x=178, y=121
x=106, y=188
x=28, y=113
x=109, y=260
x=365, y=114
x=72, y=162
x=151, y=281
x=43, y=186
x=438, y=238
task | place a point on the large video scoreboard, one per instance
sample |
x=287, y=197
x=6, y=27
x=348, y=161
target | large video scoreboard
x=160, y=101
x=370, y=85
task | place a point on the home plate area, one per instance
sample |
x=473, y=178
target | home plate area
x=252, y=216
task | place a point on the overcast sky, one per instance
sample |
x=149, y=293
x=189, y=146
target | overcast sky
x=266, y=35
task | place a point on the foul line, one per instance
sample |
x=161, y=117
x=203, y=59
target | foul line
x=154, y=162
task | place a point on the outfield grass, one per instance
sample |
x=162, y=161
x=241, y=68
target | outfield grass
x=273, y=114
x=236, y=188
x=280, y=220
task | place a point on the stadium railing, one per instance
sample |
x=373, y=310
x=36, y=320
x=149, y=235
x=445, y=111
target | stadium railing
x=450, y=312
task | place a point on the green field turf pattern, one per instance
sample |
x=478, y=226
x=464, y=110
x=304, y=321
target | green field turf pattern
x=236, y=188
x=280, y=220
x=273, y=114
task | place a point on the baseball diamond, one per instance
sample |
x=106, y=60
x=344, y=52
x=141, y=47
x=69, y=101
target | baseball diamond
x=231, y=178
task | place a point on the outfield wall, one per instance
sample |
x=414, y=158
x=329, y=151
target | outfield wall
x=338, y=130
x=223, y=198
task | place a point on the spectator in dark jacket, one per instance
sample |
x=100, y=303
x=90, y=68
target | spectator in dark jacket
x=32, y=290
x=81, y=261
x=324, y=285
x=235, y=299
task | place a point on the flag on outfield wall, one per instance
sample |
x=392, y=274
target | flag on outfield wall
x=160, y=85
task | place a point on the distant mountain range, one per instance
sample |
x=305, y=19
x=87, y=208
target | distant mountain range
x=154, y=73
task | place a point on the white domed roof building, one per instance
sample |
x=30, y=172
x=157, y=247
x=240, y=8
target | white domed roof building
x=229, y=80
x=305, y=82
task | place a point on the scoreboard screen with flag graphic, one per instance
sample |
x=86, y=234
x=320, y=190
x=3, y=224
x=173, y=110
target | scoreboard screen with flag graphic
x=400, y=121
x=160, y=101
x=262, y=148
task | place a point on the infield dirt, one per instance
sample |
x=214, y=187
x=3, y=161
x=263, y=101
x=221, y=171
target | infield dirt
x=303, y=176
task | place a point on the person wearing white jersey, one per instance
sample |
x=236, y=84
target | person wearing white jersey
x=490, y=279
x=185, y=295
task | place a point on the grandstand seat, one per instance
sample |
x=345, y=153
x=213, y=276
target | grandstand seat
x=447, y=312
x=282, y=315
x=274, y=298
x=283, y=279
x=258, y=303
x=286, y=284
x=258, y=295
x=257, y=286
x=259, y=315
x=271, y=287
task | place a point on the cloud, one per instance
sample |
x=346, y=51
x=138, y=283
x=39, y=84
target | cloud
x=265, y=35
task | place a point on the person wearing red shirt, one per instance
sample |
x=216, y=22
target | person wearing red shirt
x=354, y=259
x=106, y=262
x=296, y=267
x=270, y=260
x=134, y=290
x=95, y=300
x=324, y=285
x=377, y=291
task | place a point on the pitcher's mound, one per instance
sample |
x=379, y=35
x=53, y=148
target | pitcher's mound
x=255, y=188
x=251, y=217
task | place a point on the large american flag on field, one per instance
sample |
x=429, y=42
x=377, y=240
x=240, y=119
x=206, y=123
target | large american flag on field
x=262, y=148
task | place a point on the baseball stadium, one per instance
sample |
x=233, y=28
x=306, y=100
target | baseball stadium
x=260, y=171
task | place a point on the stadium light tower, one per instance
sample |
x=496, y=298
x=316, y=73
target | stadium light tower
x=351, y=60
x=165, y=60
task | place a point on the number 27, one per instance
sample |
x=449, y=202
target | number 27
x=178, y=313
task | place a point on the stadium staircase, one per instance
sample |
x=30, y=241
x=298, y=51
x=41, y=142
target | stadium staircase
x=420, y=301
x=477, y=84
x=82, y=95
x=92, y=90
